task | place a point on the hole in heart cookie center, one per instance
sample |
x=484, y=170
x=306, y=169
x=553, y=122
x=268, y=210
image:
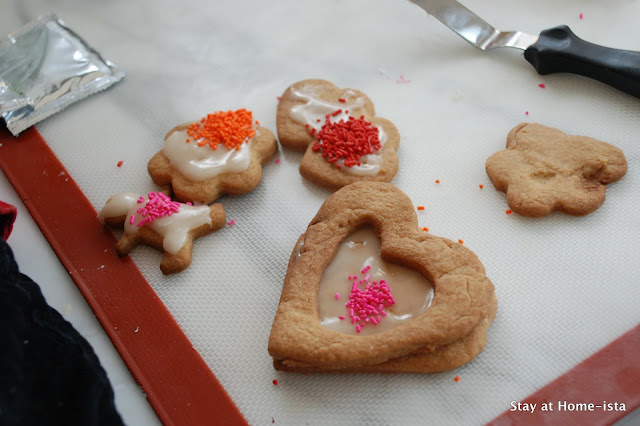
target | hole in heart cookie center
x=384, y=295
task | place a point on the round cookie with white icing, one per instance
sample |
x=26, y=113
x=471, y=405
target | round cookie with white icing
x=421, y=303
x=343, y=140
x=223, y=153
x=159, y=222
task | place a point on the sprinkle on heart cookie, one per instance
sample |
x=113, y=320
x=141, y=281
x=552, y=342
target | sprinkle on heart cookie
x=343, y=140
x=159, y=222
x=223, y=153
x=417, y=302
x=544, y=169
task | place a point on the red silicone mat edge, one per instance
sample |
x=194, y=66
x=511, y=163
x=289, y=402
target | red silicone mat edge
x=609, y=376
x=179, y=385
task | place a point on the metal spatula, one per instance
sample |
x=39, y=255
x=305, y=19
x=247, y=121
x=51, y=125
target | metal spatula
x=554, y=50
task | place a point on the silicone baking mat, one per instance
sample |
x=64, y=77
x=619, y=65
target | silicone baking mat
x=566, y=286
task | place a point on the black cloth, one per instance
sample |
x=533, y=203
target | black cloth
x=49, y=374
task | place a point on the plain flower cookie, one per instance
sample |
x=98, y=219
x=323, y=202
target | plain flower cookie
x=343, y=140
x=544, y=169
x=223, y=153
x=366, y=290
x=159, y=222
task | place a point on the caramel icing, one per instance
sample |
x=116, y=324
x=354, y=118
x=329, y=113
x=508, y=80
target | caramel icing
x=411, y=291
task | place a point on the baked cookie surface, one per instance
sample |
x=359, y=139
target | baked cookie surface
x=158, y=222
x=543, y=170
x=447, y=334
x=343, y=140
x=222, y=154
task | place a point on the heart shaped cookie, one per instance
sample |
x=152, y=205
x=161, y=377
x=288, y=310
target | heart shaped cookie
x=545, y=170
x=450, y=332
x=223, y=153
x=343, y=140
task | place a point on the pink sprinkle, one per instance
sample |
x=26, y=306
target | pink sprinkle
x=526, y=113
x=231, y=222
x=133, y=219
x=337, y=296
x=341, y=317
x=120, y=163
x=158, y=205
x=189, y=203
x=365, y=269
x=401, y=80
x=542, y=85
x=277, y=161
x=581, y=16
x=366, y=306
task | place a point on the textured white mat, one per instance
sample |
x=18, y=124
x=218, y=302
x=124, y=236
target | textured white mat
x=565, y=286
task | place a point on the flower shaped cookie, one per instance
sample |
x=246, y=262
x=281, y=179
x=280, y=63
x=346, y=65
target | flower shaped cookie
x=544, y=170
x=450, y=332
x=343, y=140
x=223, y=153
x=159, y=222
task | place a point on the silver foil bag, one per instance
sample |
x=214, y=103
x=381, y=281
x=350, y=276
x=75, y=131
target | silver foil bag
x=44, y=67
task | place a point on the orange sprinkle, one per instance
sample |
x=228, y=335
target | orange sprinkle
x=508, y=212
x=461, y=242
x=425, y=229
x=437, y=180
x=420, y=207
x=481, y=186
x=457, y=378
x=231, y=128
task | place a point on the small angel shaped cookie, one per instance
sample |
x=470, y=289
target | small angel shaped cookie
x=544, y=169
x=223, y=153
x=343, y=140
x=159, y=222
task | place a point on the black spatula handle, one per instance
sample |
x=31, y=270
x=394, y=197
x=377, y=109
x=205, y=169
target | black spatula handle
x=560, y=50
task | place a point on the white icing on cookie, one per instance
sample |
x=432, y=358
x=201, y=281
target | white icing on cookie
x=203, y=162
x=173, y=228
x=315, y=109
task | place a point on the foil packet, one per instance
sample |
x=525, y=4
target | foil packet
x=44, y=67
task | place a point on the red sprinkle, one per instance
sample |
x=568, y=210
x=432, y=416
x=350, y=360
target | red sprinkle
x=457, y=378
x=508, y=212
x=275, y=382
x=542, y=85
x=277, y=161
x=120, y=163
x=346, y=140
x=342, y=100
x=481, y=186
